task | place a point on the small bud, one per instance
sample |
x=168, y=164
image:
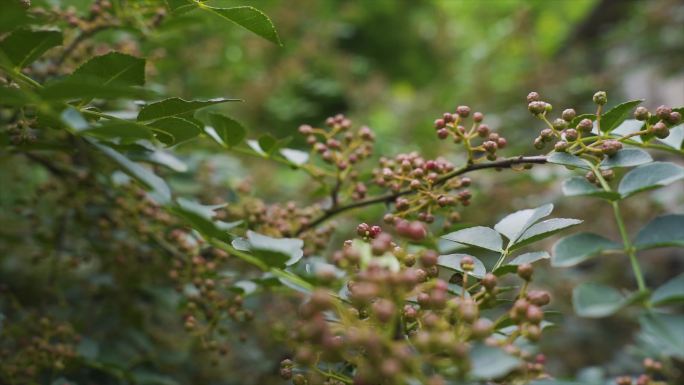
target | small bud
x=482, y=328
x=537, y=108
x=611, y=147
x=478, y=117
x=546, y=134
x=467, y=263
x=571, y=134
x=533, y=97
x=439, y=123
x=559, y=124
x=442, y=133
x=525, y=271
x=660, y=130
x=663, y=112
x=585, y=126
x=600, y=98
x=489, y=281
x=561, y=146
x=483, y=130
x=538, y=143
x=568, y=115
x=463, y=111
x=641, y=113
x=675, y=117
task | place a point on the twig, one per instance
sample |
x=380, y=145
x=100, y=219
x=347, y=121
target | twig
x=504, y=163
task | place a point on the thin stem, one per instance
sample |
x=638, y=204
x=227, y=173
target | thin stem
x=629, y=248
x=504, y=163
x=627, y=243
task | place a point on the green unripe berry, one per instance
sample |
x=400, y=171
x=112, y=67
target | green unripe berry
x=600, y=98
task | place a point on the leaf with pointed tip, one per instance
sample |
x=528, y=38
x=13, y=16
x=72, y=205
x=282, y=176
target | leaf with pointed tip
x=512, y=266
x=670, y=292
x=627, y=157
x=593, y=300
x=453, y=262
x=663, y=231
x=176, y=107
x=577, y=248
x=616, y=115
x=228, y=129
x=173, y=130
x=478, y=236
x=567, y=160
x=513, y=225
x=543, y=230
x=249, y=18
x=649, y=176
x=579, y=186
x=22, y=47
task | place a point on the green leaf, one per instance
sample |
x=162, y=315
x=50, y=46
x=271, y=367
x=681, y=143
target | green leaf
x=22, y=47
x=512, y=266
x=543, y=230
x=489, y=362
x=627, y=157
x=267, y=144
x=577, y=248
x=12, y=15
x=160, y=190
x=649, y=176
x=112, y=68
x=201, y=218
x=663, y=231
x=91, y=88
x=275, y=252
x=453, y=262
x=580, y=186
x=478, y=236
x=249, y=18
x=176, y=107
x=664, y=332
x=178, y=7
x=616, y=115
x=127, y=132
x=513, y=225
x=670, y=292
x=627, y=127
x=174, y=130
x=593, y=300
x=568, y=160
x=229, y=130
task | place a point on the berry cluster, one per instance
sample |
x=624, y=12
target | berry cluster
x=430, y=182
x=452, y=125
x=397, y=321
x=39, y=347
x=582, y=135
x=653, y=370
x=282, y=221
